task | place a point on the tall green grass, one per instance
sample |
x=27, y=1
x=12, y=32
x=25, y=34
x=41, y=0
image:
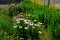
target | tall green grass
x=48, y=16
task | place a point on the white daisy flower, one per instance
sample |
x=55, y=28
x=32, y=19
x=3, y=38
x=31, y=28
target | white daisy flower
x=18, y=22
x=39, y=23
x=25, y=20
x=26, y=27
x=15, y=26
x=35, y=20
x=31, y=24
x=35, y=24
x=20, y=26
x=21, y=18
x=33, y=27
x=39, y=32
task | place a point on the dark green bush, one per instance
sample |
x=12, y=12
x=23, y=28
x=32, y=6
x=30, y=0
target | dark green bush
x=48, y=16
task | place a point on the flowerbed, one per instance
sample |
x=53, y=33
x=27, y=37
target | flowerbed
x=29, y=26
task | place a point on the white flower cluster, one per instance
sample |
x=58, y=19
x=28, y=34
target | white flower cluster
x=39, y=32
x=15, y=26
x=29, y=22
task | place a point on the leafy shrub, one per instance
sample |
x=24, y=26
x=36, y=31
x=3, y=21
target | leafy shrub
x=48, y=16
x=14, y=10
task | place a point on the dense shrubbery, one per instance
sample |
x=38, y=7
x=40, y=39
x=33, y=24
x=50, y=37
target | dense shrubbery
x=22, y=29
x=49, y=17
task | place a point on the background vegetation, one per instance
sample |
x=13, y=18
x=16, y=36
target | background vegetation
x=49, y=17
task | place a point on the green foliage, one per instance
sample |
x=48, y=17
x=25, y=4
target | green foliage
x=5, y=23
x=12, y=10
x=48, y=16
x=3, y=11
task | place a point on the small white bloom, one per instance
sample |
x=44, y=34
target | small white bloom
x=35, y=20
x=35, y=24
x=21, y=19
x=31, y=24
x=39, y=23
x=39, y=32
x=18, y=21
x=33, y=27
x=26, y=27
x=20, y=26
x=15, y=26
x=27, y=22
